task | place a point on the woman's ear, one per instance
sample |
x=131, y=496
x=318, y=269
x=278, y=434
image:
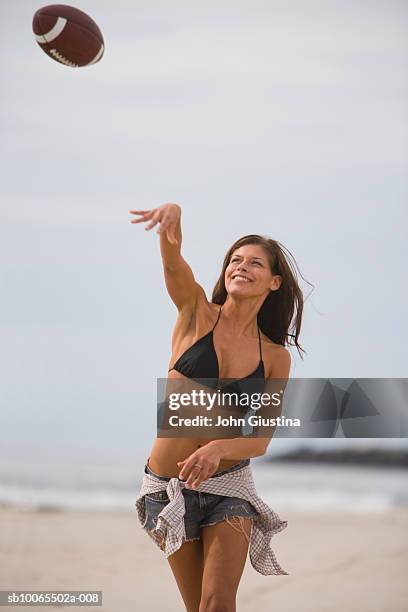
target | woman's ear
x=275, y=282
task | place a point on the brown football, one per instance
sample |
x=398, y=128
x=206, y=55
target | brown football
x=68, y=35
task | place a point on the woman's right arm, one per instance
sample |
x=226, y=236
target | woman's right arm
x=180, y=282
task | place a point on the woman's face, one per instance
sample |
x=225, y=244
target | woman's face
x=248, y=272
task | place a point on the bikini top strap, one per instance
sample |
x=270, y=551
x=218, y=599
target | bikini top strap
x=260, y=343
x=218, y=318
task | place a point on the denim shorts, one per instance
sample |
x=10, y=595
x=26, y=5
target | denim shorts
x=202, y=509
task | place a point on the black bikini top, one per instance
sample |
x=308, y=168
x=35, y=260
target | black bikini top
x=200, y=362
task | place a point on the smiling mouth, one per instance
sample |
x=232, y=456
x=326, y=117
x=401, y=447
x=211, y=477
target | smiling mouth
x=240, y=277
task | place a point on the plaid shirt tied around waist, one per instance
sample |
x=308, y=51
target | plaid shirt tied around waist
x=170, y=522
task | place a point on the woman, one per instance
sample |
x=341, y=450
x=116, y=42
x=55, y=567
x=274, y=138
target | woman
x=198, y=501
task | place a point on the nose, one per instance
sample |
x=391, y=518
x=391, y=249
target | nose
x=241, y=265
x=241, y=268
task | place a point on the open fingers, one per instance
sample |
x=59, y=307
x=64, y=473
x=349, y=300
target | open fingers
x=145, y=218
x=146, y=215
x=154, y=221
x=167, y=224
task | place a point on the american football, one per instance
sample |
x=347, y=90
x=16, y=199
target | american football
x=68, y=35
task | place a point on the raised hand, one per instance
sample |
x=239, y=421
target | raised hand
x=167, y=215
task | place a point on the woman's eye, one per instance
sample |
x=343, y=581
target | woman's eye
x=258, y=263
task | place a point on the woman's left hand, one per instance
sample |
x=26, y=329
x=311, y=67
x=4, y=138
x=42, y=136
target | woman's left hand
x=208, y=457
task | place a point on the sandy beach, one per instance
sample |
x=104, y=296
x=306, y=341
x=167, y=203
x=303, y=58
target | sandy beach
x=356, y=562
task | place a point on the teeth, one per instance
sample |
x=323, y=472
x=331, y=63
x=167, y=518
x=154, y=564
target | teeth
x=241, y=277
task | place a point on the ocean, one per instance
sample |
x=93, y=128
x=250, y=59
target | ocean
x=110, y=480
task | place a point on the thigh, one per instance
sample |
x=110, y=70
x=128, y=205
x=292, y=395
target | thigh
x=187, y=562
x=225, y=549
x=187, y=567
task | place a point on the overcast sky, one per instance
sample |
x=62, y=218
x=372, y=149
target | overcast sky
x=286, y=119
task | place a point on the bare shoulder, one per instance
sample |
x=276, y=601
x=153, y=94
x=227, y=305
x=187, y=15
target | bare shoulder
x=277, y=359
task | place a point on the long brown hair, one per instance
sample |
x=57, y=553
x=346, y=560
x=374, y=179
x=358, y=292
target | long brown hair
x=281, y=312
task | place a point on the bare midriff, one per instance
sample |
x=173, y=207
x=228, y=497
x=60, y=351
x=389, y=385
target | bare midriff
x=166, y=452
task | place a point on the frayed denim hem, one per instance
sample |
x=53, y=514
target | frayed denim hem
x=240, y=529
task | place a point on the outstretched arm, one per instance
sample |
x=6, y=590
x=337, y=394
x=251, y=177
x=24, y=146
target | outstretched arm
x=179, y=278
